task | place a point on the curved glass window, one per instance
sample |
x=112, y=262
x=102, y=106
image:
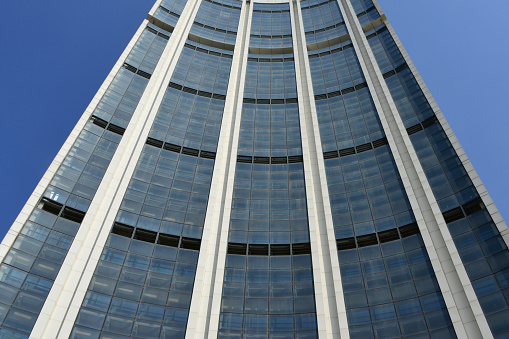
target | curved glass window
x=268, y=284
x=271, y=26
x=218, y=21
x=365, y=11
x=335, y=68
x=45, y=239
x=270, y=77
x=192, y=108
x=169, y=12
x=141, y=287
x=322, y=20
x=391, y=290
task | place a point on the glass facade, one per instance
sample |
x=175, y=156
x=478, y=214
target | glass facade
x=268, y=283
x=271, y=27
x=389, y=286
x=145, y=275
x=169, y=12
x=218, y=21
x=149, y=262
x=322, y=20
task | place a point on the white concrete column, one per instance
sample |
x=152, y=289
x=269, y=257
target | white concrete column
x=59, y=312
x=330, y=304
x=463, y=306
x=208, y=285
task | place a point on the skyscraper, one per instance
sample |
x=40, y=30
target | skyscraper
x=259, y=169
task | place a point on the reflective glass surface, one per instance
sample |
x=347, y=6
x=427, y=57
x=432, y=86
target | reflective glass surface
x=192, y=108
x=335, y=68
x=322, y=20
x=365, y=10
x=391, y=292
x=169, y=12
x=270, y=26
x=139, y=290
x=268, y=284
x=218, y=20
x=270, y=77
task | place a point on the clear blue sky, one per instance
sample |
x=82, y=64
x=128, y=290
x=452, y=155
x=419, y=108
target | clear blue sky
x=56, y=54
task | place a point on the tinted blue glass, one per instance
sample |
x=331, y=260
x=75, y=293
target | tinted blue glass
x=169, y=12
x=141, y=302
x=335, y=68
x=218, y=20
x=189, y=118
x=368, y=198
x=270, y=77
x=260, y=298
x=271, y=26
x=366, y=193
x=268, y=289
x=322, y=20
x=148, y=266
x=365, y=10
x=391, y=295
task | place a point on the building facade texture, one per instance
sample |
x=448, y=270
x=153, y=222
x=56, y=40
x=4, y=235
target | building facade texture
x=259, y=169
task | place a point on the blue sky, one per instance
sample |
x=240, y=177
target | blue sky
x=56, y=54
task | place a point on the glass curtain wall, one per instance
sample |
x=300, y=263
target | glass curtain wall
x=218, y=20
x=268, y=284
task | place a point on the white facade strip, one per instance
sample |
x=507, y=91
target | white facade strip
x=330, y=305
x=207, y=291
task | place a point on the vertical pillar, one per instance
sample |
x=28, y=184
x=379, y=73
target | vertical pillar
x=207, y=291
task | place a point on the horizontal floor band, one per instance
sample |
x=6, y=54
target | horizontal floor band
x=355, y=150
x=270, y=101
x=196, y=92
x=341, y=92
x=180, y=149
x=109, y=126
x=422, y=125
x=395, y=71
x=463, y=211
x=377, y=237
x=155, y=237
x=269, y=249
x=137, y=71
x=269, y=160
x=58, y=209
